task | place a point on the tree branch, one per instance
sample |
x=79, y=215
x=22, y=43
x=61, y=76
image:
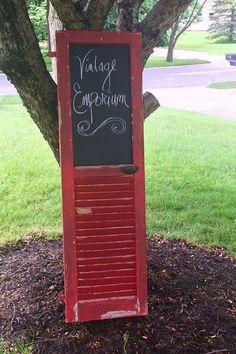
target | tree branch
x=69, y=15
x=190, y=19
x=83, y=14
x=96, y=12
x=174, y=28
x=127, y=14
x=158, y=21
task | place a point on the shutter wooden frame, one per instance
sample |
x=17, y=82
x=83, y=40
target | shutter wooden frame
x=125, y=301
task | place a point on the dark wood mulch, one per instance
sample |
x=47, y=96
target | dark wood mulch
x=192, y=305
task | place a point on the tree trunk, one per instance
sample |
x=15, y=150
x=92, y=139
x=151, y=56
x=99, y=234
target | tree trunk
x=170, y=51
x=172, y=40
x=22, y=62
x=232, y=26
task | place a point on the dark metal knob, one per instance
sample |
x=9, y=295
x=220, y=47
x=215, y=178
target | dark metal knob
x=129, y=170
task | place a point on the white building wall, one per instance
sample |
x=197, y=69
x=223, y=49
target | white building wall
x=204, y=24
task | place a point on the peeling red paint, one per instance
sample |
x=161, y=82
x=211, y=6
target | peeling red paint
x=103, y=206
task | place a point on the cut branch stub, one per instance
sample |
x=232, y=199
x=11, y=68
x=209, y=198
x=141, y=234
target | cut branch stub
x=150, y=104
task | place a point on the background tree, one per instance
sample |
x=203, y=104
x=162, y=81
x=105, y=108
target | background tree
x=183, y=22
x=22, y=61
x=37, y=11
x=223, y=20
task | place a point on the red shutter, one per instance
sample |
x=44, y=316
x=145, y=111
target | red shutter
x=103, y=207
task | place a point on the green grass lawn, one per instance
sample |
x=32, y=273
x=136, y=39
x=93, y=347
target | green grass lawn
x=190, y=177
x=29, y=176
x=190, y=174
x=198, y=41
x=223, y=85
x=161, y=61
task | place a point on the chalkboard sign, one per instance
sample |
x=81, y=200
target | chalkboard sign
x=101, y=104
x=99, y=76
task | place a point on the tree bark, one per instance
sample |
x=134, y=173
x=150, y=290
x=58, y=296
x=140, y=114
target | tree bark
x=150, y=104
x=70, y=15
x=79, y=15
x=170, y=52
x=96, y=13
x=172, y=41
x=127, y=15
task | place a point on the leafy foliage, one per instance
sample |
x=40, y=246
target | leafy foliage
x=146, y=6
x=38, y=15
x=110, y=24
x=224, y=20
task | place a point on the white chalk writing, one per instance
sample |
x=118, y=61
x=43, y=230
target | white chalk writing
x=90, y=63
x=86, y=102
x=118, y=126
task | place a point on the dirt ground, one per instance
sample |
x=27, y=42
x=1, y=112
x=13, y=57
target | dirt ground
x=192, y=303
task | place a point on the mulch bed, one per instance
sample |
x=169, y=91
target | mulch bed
x=192, y=305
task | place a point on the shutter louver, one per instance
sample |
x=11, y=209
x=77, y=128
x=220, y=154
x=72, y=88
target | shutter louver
x=105, y=237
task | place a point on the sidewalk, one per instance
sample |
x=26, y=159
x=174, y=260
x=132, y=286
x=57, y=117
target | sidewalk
x=219, y=103
x=190, y=54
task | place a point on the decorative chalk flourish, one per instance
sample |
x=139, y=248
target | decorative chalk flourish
x=118, y=126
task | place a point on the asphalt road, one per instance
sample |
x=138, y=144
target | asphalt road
x=170, y=77
x=188, y=75
x=6, y=88
x=183, y=87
